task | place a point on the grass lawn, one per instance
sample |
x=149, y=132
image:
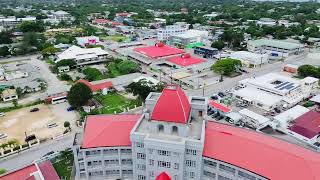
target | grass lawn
x=114, y=102
x=115, y=38
x=63, y=166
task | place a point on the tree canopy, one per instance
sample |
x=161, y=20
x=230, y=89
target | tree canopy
x=143, y=88
x=79, y=95
x=309, y=70
x=218, y=44
x=226, y=66
x=92, y=74
x=29, y=26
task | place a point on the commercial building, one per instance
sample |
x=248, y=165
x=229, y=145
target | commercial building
x=87, y=40
x=206, y=52
x=83, y=56
x=172, y=139
x=188, y=37
x=164, y=33
x=266, y=22
x=253, y=119
x=12, y=21
x=39, y=171
x=185, y=60
x=250, y=59
x=9, y=95
x=275, y=90
x=275, y=48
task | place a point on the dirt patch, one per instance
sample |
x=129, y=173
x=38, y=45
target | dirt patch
x=16, y=123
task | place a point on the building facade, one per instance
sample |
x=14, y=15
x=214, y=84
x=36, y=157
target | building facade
x=173, y=138
x=164, y=33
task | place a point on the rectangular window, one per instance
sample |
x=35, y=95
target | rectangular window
x=164, y=164
x=191, y=152
x=210, y=163
x=227, y=169
x=209, y=174
x=141, y=177
x=223, y=178
x=164, y=153
x=244, y=175
x=151, y=162
x=139, y=144
x=176, y=165
x=192, y=175
x=190, y=163
x=151, y=173
x=141, y=156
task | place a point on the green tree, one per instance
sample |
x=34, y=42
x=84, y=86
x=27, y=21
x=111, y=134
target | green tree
x=29, y=26
x=49, y=51
x=4, y=51
x=143, y=88
x=66, y=62
x=6, y=37
x=66, y=124
x=308, y=70
x=218, y=44
x=79, y=95
x=2, y=171
x=92, y=74
x=226, y=66
x=65, y=77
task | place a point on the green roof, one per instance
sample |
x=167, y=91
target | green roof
x=193, y=45
x=275, y=43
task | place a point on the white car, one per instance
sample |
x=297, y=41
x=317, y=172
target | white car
x=2, y=136
x=1, y=114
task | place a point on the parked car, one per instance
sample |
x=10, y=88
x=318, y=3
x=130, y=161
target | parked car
x=1, y=114
x=52, y=125
x=48, y=154
x=240, y=123
x=214, y=97
x=219, y=118
x=2, y=136
x=221, y=94
x=34, y=109
x=70, y=109
x=277, y=110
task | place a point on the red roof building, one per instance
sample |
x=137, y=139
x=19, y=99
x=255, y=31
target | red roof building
x=261, y=154
x=96, y=86
x=102, y=21
x=307, y=125
x=163, y=176
x=158, y=50
x=108, y=130
x=172, y=106
x=185, y=60
x=219, y=107
x=27, y=173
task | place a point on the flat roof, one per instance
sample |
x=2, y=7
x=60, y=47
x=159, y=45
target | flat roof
x=264, y=155
x=158, y=51
x=219, y=106
x=290, y=114
x=253, y=94
x=253, y=115
x=108, y=130
x=185, y=60
x=275, y=43
x=307, y=125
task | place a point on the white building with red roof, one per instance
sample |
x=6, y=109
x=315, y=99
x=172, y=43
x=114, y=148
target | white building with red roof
x=103, y=86
x=173, y=139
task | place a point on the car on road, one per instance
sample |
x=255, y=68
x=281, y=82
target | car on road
x=1, y=114
x=214, y=97
x=221, y=94
x=143, y=72
x=2, y=135
x=34, y=109
x=70, y=109
x=48, y=154
x=52, y=125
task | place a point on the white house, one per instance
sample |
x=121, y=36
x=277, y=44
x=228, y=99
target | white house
x=249, y=59
x=87, y=40
x=9, y=95
x=165, y=33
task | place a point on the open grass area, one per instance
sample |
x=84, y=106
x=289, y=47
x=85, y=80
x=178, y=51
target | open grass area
x=114, y=102
x=116, y=38
x=63, y=165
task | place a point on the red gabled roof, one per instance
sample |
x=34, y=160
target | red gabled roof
x=98, y=86
x=172, y=106
x=102, y=21
x=163, y=176
x=261, y=154
x=219, y=106
x=48, y=171
x=21, y=174
x=108, y=130
x=185, y=60
x=307, y=125
x=158, y=50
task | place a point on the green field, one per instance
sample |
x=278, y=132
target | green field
x=114, y=102
x=63, y=165
x=116, y=38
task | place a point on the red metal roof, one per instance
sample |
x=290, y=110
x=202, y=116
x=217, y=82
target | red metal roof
x=21, y=174
x=163, y=176
x=219, y=106
x=102, y=21
x=172, y=106
x=96, y=87
x=48, y=171
x=307, y=125
x=185, y=60
x=261, y=154
x=158, y=51
x=108, y=130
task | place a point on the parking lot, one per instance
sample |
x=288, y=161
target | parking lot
x=16, y=123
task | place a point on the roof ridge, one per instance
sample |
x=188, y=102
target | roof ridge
x=184, y=112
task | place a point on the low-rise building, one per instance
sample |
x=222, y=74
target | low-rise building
x=63, y=69
x=87, y=40
x=276, y=49
x=274, y=90
x=206, y=52
x=103, y=86
x=9, y=95
x=266, y=22
x=12, y=21
x=83, y=56
x=250, y=59
x=188, y=37
x=253, y=119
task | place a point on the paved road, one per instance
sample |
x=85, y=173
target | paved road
x=25, y=158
